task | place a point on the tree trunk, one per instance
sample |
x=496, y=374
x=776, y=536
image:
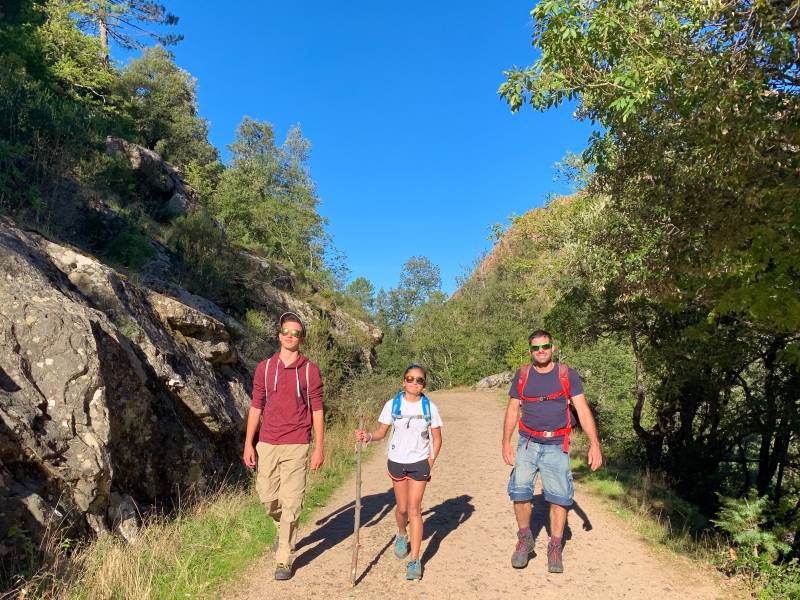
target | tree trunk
x=102, y=26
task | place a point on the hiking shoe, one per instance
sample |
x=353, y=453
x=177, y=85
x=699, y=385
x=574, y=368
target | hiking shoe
x=283, y=572
x=414, y=570
x=275, y=544
x=401, y=546
x=519, y=560
x=554, y=564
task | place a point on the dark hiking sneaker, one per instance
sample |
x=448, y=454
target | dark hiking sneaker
x=275, y=544
x=414, y=570
x=554, y=564
x=401, y=546
x=283, y=572
x=519, y=560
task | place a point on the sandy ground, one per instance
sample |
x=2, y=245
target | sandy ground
x=470, y=534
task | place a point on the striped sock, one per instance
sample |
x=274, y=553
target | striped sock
x=525, y=531
x=555, y=540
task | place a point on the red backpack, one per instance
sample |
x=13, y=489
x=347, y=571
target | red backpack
x=563, y=377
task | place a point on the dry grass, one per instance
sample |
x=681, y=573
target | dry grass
x=660, y=516
x=190, y=553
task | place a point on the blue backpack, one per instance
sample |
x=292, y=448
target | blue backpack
x=426, y=414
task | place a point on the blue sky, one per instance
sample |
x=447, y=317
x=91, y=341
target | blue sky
x=413, y=151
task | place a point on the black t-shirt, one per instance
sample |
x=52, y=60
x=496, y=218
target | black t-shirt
x=549, y=415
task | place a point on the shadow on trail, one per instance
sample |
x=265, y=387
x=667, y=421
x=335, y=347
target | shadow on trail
x=338, y=526
x=540, y=518
x=444, y=519
x=375, y=560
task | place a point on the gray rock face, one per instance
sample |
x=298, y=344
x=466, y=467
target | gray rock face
x=494, y=381
x=110, y=394
x=184, y=197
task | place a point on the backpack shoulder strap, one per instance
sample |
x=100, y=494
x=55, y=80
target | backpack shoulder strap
x=266, y=386
x=395, y=416
x=523, y=378
x=426, y=408
x=396, y=406
x=308, y=387
x=563, y=377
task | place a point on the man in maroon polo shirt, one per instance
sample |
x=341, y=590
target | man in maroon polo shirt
x=287, y=400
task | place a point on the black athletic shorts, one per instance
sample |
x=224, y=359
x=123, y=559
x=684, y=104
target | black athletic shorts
x=418, y=471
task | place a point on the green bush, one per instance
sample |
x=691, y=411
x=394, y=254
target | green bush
x=130, y=249
x=210, y=267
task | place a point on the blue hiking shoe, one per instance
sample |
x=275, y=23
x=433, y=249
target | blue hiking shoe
x=401, y=546
x=414, y=570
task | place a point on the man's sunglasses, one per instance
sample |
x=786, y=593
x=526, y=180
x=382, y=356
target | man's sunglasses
x=536, y=347
x=419, y=380
x=293, y=332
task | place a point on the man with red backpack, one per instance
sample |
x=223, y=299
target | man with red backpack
x=286, y=407
x=544, y=391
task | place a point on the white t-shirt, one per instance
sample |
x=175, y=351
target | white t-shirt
x=409, y=443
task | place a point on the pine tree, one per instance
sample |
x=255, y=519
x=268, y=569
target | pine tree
x=125, y=22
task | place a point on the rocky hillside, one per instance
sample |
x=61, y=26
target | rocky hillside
x=110, y=391
x=115, y=395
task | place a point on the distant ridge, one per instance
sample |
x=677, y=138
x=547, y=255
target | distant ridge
x=505, y=245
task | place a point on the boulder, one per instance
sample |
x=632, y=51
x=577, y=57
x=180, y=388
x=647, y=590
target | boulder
x=184, y=198
x=105, y=388
x=499, y=380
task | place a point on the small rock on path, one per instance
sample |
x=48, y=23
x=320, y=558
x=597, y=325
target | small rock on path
x=470, y=533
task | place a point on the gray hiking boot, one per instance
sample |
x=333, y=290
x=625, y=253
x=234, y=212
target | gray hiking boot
x=519, y=560
x=554, y=564
x=283, y=572
x=401, y=546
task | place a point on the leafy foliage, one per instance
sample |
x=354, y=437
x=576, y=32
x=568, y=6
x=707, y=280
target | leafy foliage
x=163, y=104
x=266, y=197
x=685, y=245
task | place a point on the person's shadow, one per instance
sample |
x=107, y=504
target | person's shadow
x=338, y=526
x=540, y=518
x=443, y=520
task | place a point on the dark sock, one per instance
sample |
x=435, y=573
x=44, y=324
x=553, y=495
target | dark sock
x=555, y=540
x=525, y=531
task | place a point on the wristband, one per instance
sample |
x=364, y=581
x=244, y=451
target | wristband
x=370, y=439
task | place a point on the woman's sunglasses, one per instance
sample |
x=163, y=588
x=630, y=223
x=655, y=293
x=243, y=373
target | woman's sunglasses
x=293, y=332
x=419, y=380
x=536, y=347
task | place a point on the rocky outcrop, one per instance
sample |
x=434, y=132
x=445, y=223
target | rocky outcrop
x=500, y=380
x=343, y=327
x=183, y=198
x=111, y=394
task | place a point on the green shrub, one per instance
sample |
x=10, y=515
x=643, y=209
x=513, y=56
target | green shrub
x=210, y=267
x=130, y=249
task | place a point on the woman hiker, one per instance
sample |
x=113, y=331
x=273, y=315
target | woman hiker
x=414, y=443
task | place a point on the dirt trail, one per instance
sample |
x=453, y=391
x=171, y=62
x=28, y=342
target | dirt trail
x=470, y=534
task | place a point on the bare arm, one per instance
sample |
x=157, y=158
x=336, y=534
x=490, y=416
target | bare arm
x=509, y=424
x=378, y=434
x=253, y=418
x=318, y=456
x=595, y=457
x=437, y=443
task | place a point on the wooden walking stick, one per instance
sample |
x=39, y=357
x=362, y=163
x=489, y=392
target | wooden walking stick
x=357, y=525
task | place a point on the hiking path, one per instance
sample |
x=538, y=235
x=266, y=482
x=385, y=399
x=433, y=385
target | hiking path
x=470, y=534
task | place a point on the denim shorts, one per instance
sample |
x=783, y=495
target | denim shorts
x=549, y=460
